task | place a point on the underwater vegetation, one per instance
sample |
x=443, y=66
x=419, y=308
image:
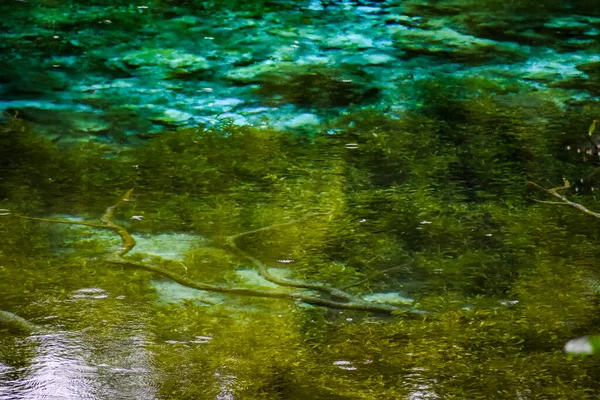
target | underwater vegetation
x=321, y=88
x=429, y=216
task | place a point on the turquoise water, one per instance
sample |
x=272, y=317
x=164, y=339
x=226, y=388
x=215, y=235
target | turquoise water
x=299, y=200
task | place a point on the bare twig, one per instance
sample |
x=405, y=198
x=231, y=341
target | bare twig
x=564, y=200
x=231, y=241
x=107, y=218
x=61, y=221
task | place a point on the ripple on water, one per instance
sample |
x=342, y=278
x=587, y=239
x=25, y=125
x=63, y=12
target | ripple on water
x=66, y=365
x=90, y=293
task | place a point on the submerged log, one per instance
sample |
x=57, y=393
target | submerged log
x=15, y=324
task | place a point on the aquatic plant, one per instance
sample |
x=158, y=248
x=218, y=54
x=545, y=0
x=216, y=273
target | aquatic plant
x=506, y=281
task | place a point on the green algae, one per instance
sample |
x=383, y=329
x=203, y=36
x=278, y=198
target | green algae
x=16, y=324
x=433, y=207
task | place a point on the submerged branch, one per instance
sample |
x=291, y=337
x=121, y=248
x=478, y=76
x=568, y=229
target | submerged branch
x=339, y=299
x=182, y=280
x=14, y=323
x=61, y=221
x=107, y=218
x=564, y=200
x=302, y=297
x=231, y=241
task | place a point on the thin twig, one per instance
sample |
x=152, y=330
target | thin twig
x=336, y=293
x=559, y=203
x=107, y=218
x=564, y=200
x=61, y=221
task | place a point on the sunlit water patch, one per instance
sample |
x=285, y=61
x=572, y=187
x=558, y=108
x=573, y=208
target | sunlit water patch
x=65, y=366
x=388, y=298
x=90, y=293
x=173, y=292
x=172, y=246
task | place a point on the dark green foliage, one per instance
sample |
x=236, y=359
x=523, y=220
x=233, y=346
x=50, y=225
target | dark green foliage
x=46, y=172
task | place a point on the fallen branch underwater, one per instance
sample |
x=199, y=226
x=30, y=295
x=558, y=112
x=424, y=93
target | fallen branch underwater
x=107, y=218
x=15, y=324
x=563, y=200
x=338, y=299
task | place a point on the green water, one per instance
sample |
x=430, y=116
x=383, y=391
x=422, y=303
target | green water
x=298, y=200
x=439, y=214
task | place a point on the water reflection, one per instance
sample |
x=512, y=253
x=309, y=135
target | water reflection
x=65, y=366
x=226, y=383
x=421, y=388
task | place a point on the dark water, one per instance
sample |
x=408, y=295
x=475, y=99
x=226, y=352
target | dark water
x=298, y=200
